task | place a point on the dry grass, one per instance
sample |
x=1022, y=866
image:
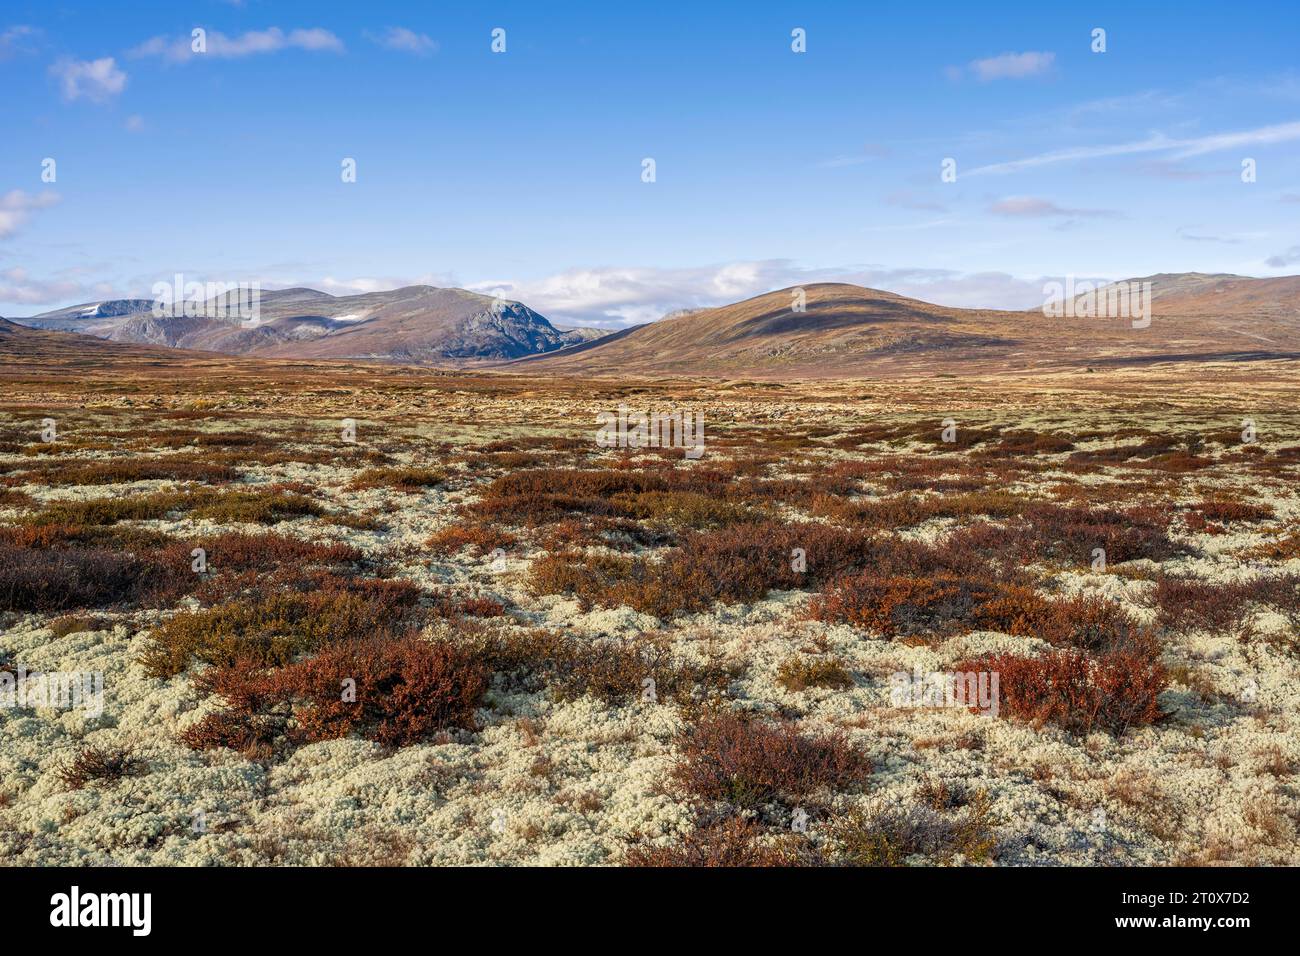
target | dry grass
x=402, y=479
x=920, y=833
x=274, y=629
x=801, y=672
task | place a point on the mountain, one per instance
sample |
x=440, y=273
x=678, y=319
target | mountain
x=849, y=331
x=91, y=318
x=843, y=331
x=1196, y=293
x=415, y=325
x=577, y=335
x=56, y=352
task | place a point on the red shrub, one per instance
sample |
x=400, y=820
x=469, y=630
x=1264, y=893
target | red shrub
x=749, y=762
x=33, y=579
x=1112, y=691
x=406, y=690
x=946, y=604
x=396, y=692
x=1185, y=603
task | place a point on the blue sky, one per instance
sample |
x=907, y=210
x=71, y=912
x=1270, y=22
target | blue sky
x=521, y=172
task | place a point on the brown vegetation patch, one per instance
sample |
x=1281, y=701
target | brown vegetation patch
x=109, y=765
x=1080, y=692
x=749, y=762
x=273, y=629
x=402, y=479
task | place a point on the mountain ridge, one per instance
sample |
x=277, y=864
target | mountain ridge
x=838, y=330
x=418, y=324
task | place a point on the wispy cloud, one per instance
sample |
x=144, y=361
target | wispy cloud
x=1142, y=102
x=1163, y=169
x=1028, y=207
x=96, y=80
x=906, y=199
x=219, y=46
x=16, y=207
x=868, y=152
x=404, y=41
x=1186, y=232
x=17, y=39
x=17, y=286
x=848, y=159
x=1157, y=142
x=362, y=284
x=1289, y=258
x=1006, y=66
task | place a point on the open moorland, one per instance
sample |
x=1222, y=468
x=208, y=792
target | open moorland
x=353, y=615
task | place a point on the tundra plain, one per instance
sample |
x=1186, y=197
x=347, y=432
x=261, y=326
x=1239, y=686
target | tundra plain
x=473, y=636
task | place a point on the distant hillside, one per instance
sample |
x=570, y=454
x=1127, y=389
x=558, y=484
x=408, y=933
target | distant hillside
x=850, y=331
x=843, y=331
x=415, y=325
x=67, y=351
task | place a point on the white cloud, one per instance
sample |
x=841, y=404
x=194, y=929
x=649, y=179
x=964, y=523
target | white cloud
x=16, y=207
x=219, y=46
x=405, y=41
x=1185, y=232
x=621, y=296
x=1157, y=142
x=134, y=123
x=362, y=284
x=1008, y=66
x=1033, y=206
x=97, y=80
x=907, y=199
x=611, y=296
x=18, y=287
x=13, y=40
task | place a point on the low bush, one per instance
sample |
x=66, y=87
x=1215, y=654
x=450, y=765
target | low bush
x=109, y=511
x=1213, y=516
x=686, y=509
x=255, y=507
x=118, y=471
x=1112, y=691
x=1185, y=604
x=481, y=538
x=272, y=629
x=945, y=604
x=802, y=671
x=895, y=836
x=406, y=690
x=395, y=691
x=108, y=765
x=749, y=762
x=35, y=579
x=401, y=478
x=542, y=495
x=612, y=671
x=733, y=842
